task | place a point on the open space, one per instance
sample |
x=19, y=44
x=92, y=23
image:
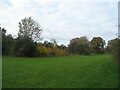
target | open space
x=95, y=71
x=59, y=43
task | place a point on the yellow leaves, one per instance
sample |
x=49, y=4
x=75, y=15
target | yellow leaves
x=48, y=51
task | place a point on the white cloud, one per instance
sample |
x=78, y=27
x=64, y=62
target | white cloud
x=63, y=19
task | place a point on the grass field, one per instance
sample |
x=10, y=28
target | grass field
x=96, y=71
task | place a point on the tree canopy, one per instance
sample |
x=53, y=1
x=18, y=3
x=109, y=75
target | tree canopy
x=79, y=45
x=30, y=31
x=97, y=44
x=30, y=28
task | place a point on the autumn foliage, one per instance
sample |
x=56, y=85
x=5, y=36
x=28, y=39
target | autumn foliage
x=42, y=50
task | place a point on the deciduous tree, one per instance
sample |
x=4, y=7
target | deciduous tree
x=30, y=28
x=79, y=45
x=97, y=44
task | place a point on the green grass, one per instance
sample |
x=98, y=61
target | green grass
x=96, y=71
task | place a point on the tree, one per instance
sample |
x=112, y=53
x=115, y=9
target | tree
x=113, y=47
x=3, y=32
x=79, y=46
x=63, y=47
x=54, y=42
x=29, y=32
x=25, y=47
x=4, y=43
x=30, y=28
x=48, y=44
x=72, y=45
x=45, y=50
x=7, y=42
x=97, y=45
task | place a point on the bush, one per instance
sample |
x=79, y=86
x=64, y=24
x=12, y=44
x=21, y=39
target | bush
x=41, y=50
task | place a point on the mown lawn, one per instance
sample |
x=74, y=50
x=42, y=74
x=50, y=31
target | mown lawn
x=96, y=71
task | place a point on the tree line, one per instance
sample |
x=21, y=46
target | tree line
x=26, y=45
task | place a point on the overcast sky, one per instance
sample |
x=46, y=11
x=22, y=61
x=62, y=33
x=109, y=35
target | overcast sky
x=63, y=19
